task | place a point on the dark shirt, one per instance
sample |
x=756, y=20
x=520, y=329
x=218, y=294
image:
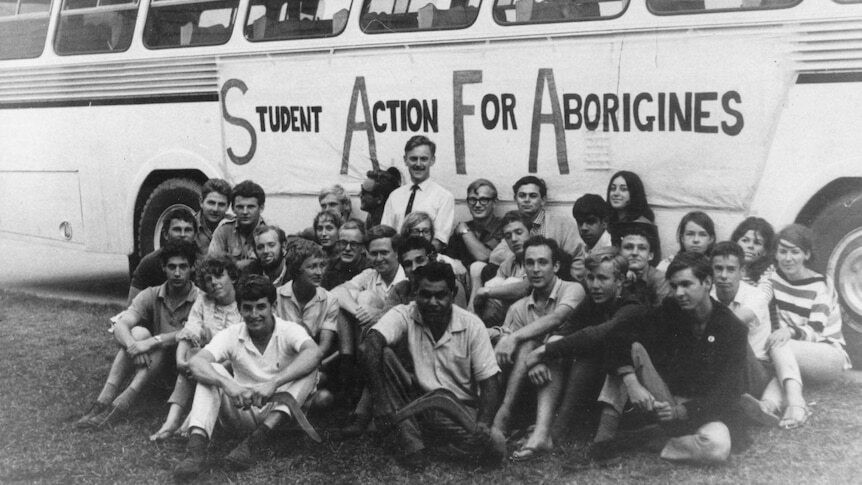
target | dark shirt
x=489, y=233
x=374, y=217
x=339, y=272
x=149, y=271
x=709, y=369
x=585, y=331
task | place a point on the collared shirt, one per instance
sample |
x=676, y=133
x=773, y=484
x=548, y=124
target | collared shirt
x=511, y=268
x=228, y=240
x=250, y=367
x=320, y=313
x=525, y=311
x=340, y=272
x=758, y=330
x=255, y=267
x=208, y=318
x=650, y=287
x=371, y=281
x=204, y=235
x=488, y=231
x=432, y=198
x=458, y=361
x=562, y=230
x=153, y=310
x=604, y=241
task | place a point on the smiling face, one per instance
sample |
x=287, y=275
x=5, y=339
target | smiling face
x=695, y=238
x=383, y=258
x=540, y=267
x=326, y=232
x=434, y=301
x=214, y=207
x=791, y=259
x=268, y=248
x=481, y=203
x=752, y=245
x=351, y=245
x=311, y=271
x=619, y=194
x=636, y=249
x=419, y=161
x=529, y=200
x=258, y=317
x=424, y=229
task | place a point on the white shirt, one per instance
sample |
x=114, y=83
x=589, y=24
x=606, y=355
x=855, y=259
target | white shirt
x=432, y=198
x=752, y=298
x=370, y=280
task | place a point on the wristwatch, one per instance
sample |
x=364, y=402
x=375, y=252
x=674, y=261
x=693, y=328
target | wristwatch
x=158, y=339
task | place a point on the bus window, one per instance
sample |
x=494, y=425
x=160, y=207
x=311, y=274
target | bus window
x=23, y=28
x=510, y=12
x=295, y=19
x=93, y=26
x=691, y=6
x=189, y=23
x=379, y=16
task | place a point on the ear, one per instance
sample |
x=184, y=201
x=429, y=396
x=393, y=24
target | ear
x=556, y=266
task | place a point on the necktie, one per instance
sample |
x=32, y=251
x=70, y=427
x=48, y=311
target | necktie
x=412, y=198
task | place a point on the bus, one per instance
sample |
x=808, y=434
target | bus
x=114, y=111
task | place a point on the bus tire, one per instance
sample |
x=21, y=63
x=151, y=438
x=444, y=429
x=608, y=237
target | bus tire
x=838, y=254
x=168, y=195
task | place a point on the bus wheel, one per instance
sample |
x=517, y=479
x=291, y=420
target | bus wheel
x=167, y=196
x=838, y=246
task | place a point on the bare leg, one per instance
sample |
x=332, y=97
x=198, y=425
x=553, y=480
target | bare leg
x=548, y=400
x=517, y=379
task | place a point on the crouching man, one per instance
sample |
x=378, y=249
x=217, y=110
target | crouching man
x=452, y=358
x=274, y=366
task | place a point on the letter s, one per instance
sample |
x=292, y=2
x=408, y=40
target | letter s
x=242, y=123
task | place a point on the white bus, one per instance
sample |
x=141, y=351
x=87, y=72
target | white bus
x=111, y=111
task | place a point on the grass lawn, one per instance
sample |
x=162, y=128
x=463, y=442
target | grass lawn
x=56, y=354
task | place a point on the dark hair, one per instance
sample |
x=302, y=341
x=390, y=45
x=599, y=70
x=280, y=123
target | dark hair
x=326, y=214
x=297, y=252
x=608, y=254
x=476, y=184
x=698, y=263
x=701, y=219
x=645, y=229
x=419, y=140
x=531, y=179
x=760, y=226
x=515, y=216
x=249, y=189
x=413, y=243
x=385, y=181
x=179, y=214
x=800, y=236
x=178, y=248
x=638, y=205
x=253, y=287
x=728, y=248
x=215, y=185
x=436, y=271
x=382, y=231
x=591, y=205
x=215, y=266
x=282, y=237
x=545, y=241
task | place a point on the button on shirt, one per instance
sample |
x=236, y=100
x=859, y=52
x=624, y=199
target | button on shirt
x=759, y=330
x=250, y=367
x=461, y=359
x=525, y=311
x=153, y=311
x=438, y=202
x=228, y=240
x=208, y=318
x=320, y=313
x=371, y=281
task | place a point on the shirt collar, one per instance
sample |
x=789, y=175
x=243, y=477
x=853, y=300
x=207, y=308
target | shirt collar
x=555, y=291
x=286, y=290
x=190, y=297
x=539, y=220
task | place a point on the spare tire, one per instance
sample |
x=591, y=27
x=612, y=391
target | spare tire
x=167, y=196
x=838, y=254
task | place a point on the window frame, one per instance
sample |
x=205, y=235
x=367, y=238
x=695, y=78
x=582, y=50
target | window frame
x=560, y=21
x=717, y=10
x=156, y=4
x=283, y=39
x=394, y=2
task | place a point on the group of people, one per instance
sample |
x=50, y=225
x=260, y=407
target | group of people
x=467, y=334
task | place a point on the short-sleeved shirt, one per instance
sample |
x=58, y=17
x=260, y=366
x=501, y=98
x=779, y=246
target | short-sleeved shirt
x=250, y=367
x=512, y=268
x=564, y=231
x=149, y=271
x=525, y=311
x=488, y=231
x=153, y=311
x=430, y=198
x=204, y=236
x=603, y=242
x=208, y=318
x=458, y=361
x=320, y=313
x=759, y=330
x=228, y=240
x=371, y=281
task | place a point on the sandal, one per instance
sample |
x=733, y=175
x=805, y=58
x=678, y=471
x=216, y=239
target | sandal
x=755, y=410
x=528, y=453
x=795, y=422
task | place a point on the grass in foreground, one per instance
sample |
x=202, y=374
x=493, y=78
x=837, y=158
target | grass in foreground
x=56, y=355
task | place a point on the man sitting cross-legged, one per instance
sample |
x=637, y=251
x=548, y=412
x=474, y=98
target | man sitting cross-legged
x=532, y=318
x=146, y=333
x=274, y=365
x=684, y=363
x=451, y=355
x=569, y=368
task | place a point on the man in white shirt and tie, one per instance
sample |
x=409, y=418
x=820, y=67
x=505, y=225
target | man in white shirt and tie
x=422, y=193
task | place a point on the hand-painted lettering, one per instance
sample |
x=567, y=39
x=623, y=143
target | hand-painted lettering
x=293, y=118
x=240, y=122
x=554, y=118
x=359, y=94
x=459, y=111
x=405, y=115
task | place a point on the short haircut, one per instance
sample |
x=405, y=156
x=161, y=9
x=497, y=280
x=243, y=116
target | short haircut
x=297, y=252
x=699, y=264
x=418, y=141
x=531, y=179
x=327, y=215
x=638, y=205
x=215, y=266
x=248, y=189
x=701, y=219
x=544, y=241
x=760, y=226
x=611, y=255
x=798, y=235
x=436, y=271
x=728, y=248
x=179, y=214
x=355, y=224
x=591, y=205
x=385, y=181
x=178, y=248
x=218, y=186
x=412, y=220
x=382, y=231
x=413, y=243
x=515, y=216
x=282, y=237
x=339, y=192
x=476, y=184
x=253, y=287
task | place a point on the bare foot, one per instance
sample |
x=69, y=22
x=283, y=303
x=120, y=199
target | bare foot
x=165, y=432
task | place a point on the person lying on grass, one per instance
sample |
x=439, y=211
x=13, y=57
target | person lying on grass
x=146, y=333
x=274, y=365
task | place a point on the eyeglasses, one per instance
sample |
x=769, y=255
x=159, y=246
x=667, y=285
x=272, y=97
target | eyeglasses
x=416, y=158
x=420, y=231
x=479, y=200
x=349, y=244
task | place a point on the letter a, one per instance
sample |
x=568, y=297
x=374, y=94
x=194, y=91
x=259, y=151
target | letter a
x=555, y=118
x=353, y=125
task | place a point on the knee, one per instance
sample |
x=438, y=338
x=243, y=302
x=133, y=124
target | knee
x=140, y=333
x=714, y=441
x=638, y=352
